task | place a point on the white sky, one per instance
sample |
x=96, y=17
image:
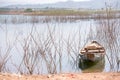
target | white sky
x=13, y=2
x=32, y=1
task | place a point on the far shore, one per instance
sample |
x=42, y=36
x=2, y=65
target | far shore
x=64, y=13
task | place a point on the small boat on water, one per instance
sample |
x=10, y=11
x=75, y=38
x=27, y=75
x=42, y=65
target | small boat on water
x=92, y=57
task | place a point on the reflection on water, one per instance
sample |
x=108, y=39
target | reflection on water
x=92, y=66
x=19, y=19
x=49, y=47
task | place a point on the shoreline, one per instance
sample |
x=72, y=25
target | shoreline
x=96, y=16
x=63, y=76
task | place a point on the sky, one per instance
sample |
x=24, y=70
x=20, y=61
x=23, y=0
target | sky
x=10, y=2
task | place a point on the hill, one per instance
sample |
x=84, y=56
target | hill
x=93, y=4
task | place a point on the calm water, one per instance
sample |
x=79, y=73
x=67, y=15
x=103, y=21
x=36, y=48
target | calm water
x=64, y=39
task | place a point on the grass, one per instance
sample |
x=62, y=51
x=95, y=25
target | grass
x=60, y=15
x=70, y=12
x=59, y=12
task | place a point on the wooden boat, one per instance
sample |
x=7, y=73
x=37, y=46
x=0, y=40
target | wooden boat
x=92, y=57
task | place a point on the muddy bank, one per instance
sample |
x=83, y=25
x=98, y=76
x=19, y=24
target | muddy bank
x=64, y=76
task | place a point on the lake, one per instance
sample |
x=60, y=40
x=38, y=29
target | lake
x=49, y=44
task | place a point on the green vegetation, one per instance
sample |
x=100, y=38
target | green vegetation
x=65, y=12
x=28, y=10
x=60, y=12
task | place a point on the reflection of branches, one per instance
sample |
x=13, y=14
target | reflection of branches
x=4, y=57
x=73, y=47
x=108, y=33
x=45, y=52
